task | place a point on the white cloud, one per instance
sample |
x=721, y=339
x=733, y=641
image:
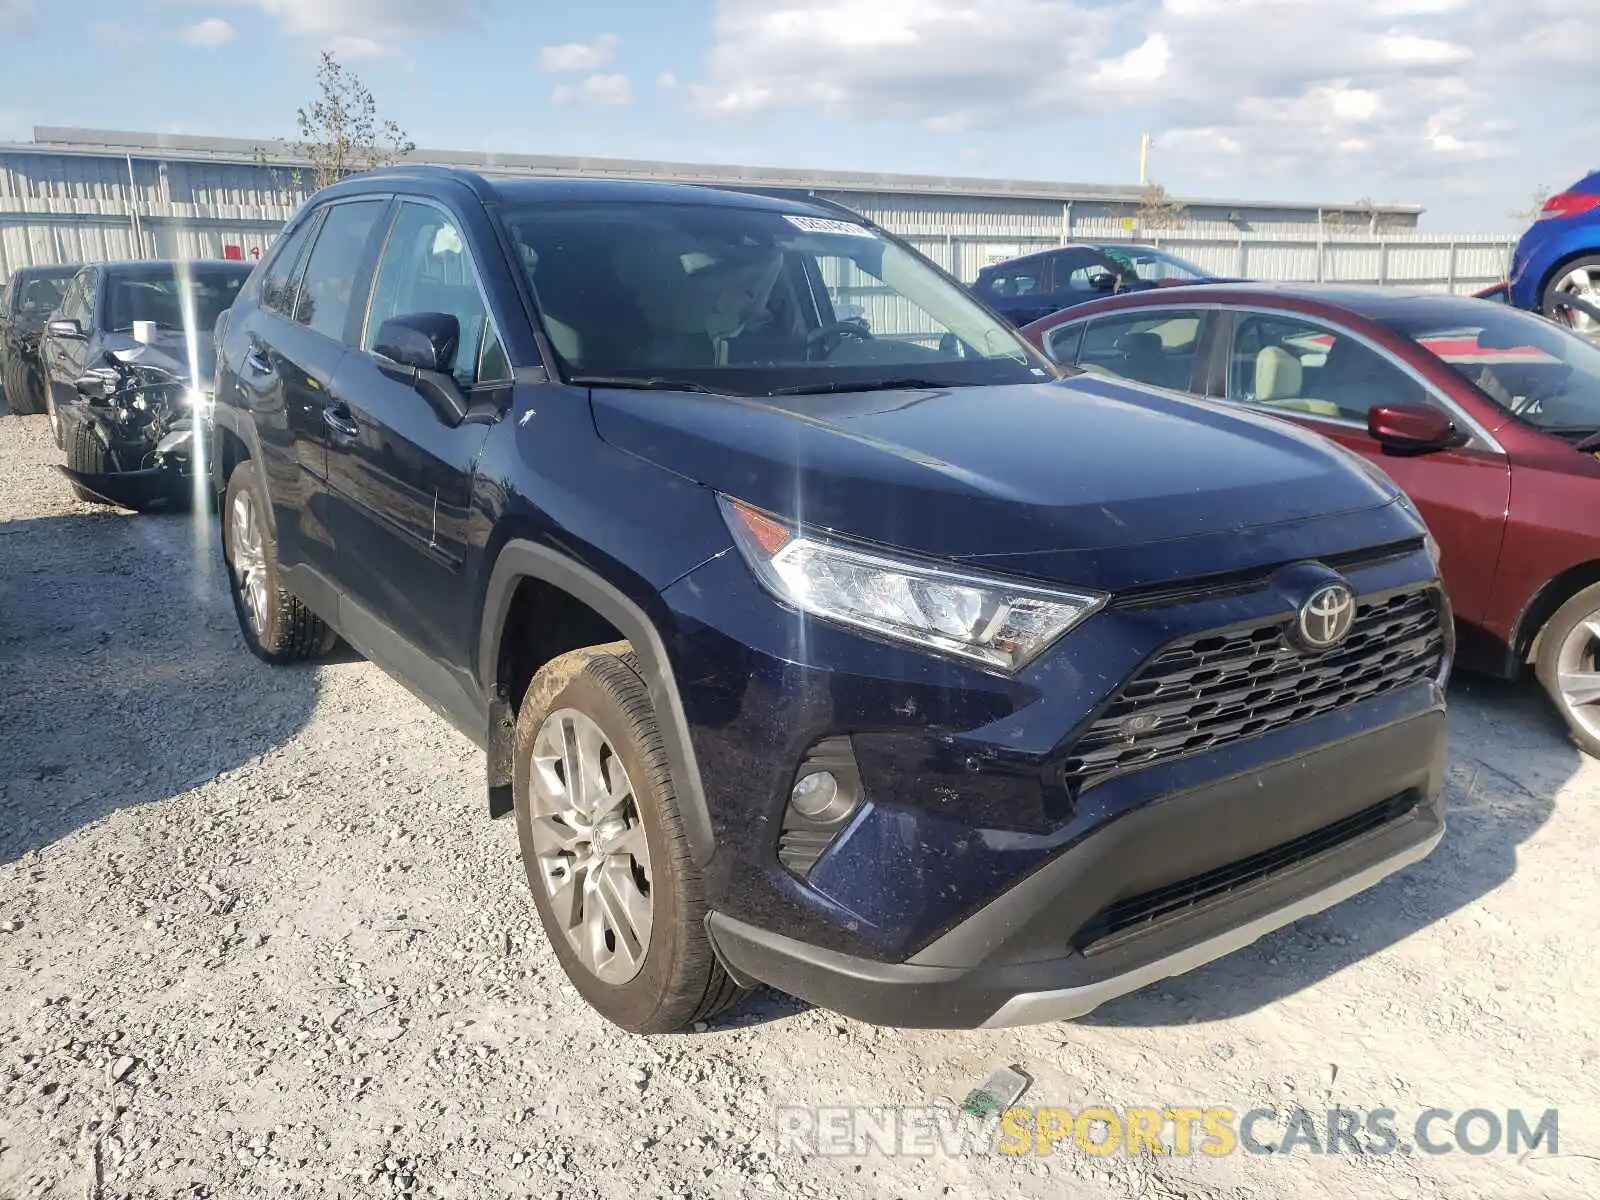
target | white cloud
x=602, y=91
x=667, y=80
x=1382, y=87
x=17, y=14
x=209, y=33
x=364, y=28
x=580, y=56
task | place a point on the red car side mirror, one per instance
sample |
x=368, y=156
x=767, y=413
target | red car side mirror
x=1413, y=427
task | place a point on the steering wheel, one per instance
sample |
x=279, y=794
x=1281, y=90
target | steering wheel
x=829, y=336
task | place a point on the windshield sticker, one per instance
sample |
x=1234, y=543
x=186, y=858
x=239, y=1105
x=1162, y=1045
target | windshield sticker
x=827, y=225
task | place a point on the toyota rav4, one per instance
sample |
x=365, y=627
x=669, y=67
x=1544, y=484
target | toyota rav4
x=818, y=632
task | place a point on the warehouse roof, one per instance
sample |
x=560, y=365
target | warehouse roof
x=185, y=147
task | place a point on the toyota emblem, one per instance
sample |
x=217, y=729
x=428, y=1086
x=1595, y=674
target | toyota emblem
x=1326, y=617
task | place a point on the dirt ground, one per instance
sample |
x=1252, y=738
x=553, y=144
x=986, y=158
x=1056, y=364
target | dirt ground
x=259, y=939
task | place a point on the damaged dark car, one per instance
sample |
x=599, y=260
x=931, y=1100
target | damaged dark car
x=130, y=361
x=25, y=304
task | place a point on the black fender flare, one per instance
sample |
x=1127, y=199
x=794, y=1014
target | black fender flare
x=231, y=420
x=519, y=560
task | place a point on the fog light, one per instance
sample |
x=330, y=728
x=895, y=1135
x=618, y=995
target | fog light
x=815, y=795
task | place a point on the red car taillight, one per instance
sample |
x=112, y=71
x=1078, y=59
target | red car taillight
x=1569, y=204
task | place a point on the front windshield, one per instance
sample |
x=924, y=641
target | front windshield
x=1153, y=266
x=156, y=294
x=752, y=301
x=41, y=293
x=1532, y=368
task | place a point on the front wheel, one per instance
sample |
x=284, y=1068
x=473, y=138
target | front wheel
x=602, y=841
x=1581, y=280
x=88, y=454
x=1568, y=665
x=277, y=625
x=22, y=388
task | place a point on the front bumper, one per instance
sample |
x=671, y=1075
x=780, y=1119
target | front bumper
x=1068, y=938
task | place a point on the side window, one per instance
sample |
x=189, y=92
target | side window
x=1078, y=272
x=1022, y=279
x=277, y=286
x=426, y=269
x=1061, y=343
x=1301, y=366
x=333, y=272
x=1157, y=348
x=75, y=304
x=493, y=365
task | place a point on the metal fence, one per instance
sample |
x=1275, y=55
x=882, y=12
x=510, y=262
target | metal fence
x=57, y=230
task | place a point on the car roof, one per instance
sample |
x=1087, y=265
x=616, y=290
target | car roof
x=47, y=269
x=1126, y=247
x=139, y=265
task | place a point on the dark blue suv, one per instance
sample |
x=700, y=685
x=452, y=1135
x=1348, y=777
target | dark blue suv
x=817, y=633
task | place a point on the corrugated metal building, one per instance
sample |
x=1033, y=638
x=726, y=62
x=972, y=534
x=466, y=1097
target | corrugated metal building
x=74, y=194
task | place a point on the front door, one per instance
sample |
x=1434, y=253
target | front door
x=400, y=471
x=65, y=358
x=1327, y=379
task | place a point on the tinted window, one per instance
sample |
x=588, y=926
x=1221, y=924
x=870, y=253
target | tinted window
x=75, y=303
x=1061, y=343
x=426, y=269
x=1303, y=366
x=168, y=293
x=39, y=293
x=1019, y=279
x=750, y=299
x=334, y=271
x=1529, y=366
x=1077, y=272
x=1153, y=266
x=1156, y=348
x=277, y=286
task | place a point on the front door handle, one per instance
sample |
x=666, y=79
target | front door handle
x=337, y=418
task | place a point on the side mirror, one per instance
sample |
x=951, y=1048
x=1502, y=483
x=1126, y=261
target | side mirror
x=419, y=347
x=65, y=328
x=424, y=341
x=1411, y=428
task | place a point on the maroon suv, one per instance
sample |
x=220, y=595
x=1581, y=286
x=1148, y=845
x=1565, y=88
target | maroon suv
x=1488, y=417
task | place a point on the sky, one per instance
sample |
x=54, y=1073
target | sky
x=1469, y=107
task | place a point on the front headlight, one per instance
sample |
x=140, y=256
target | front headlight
x=987, y=620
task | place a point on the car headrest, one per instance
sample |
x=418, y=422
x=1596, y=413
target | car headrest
x=1279, y=375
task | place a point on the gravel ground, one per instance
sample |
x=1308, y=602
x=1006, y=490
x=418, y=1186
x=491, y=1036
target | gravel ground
x=258, y=939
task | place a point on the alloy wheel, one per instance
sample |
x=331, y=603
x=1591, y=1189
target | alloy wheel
x=1578, y=674
x=593, y=858
x=1584, y=284
x=249, y=561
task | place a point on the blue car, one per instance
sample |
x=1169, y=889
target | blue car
x=1560, y=254
x=1033, y=286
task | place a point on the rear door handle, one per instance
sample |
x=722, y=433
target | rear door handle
x=337, y=418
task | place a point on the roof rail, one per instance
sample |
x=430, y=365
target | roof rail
x=479, y=185
x=799, y=194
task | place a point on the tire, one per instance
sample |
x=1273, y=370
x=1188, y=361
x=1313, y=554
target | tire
x=676, y=977
x=1569, y=647
x=277, y=625
x=22, y=391
x=1559, y=284
x=87, y=453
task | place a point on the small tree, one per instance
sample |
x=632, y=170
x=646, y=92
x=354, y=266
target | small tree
x=341, y=133
x=1534, y=207
x=1157, y=210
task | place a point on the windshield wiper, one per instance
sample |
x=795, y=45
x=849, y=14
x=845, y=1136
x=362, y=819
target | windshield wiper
x=639, y=383
x=871, y=385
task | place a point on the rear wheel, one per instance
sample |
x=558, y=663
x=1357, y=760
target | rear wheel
x=622, y=902
x=276, y=624
x=1581, y=279
x=1568, y=665
x=22, y=387
x=88, y=454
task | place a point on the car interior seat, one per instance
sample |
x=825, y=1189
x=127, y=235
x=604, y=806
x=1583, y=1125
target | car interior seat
x=1279, y=378
x=1144, y=359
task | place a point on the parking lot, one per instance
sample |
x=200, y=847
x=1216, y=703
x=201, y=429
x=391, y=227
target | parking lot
x=257, y=938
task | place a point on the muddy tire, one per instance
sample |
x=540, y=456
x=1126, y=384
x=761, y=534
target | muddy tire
x=86, y=452
x=603, y=843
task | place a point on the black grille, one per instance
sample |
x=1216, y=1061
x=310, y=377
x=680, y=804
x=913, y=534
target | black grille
x=1138, y=912
x=1216, y=688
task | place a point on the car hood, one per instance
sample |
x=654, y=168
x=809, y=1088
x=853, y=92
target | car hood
x=169, y=349
x=1089, y=481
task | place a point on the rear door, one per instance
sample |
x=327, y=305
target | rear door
x=401, y=469
x=1326, y=377
x=287, y=349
